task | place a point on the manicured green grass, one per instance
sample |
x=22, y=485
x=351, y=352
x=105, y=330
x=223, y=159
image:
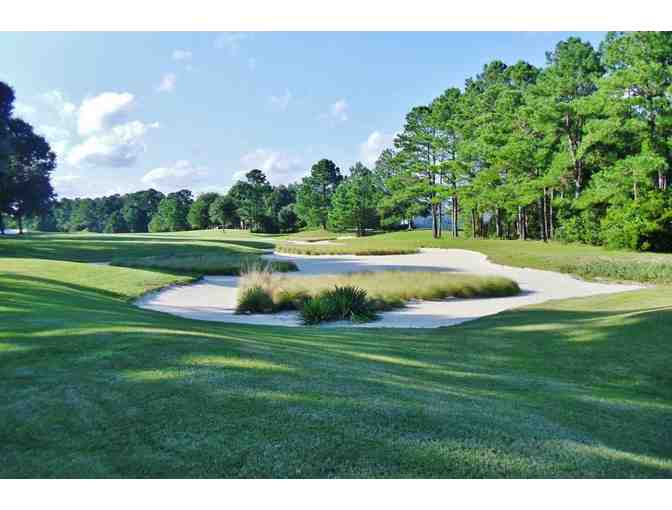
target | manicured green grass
x=83, y=247
x=206, y=264
x=91, y=386
x=312, y=235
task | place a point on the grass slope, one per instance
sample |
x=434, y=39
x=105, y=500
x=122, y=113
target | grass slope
x=92, y=387
x=83, y=247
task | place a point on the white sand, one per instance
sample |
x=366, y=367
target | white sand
x=214, y=297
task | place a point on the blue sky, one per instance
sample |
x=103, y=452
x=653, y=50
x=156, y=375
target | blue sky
x=126, y=111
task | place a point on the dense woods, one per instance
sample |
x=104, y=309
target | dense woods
x=578, y=150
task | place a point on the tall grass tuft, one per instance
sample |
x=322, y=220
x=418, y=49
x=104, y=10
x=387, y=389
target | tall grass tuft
x=380, y=290
x=625, y=270
x=225, y=264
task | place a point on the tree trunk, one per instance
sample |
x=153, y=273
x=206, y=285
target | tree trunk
x=435, y=222
x=522, y=231
x=542, y=219
x=551, y=228
x=662, y=180
x=19, y=221
x=578, y=180
x=474, y=233
x=2, y=225
x=455, y=216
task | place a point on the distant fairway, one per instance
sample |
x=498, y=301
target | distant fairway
x=91, y=386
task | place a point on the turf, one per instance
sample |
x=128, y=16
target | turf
x=91, y=386
x=84, y=247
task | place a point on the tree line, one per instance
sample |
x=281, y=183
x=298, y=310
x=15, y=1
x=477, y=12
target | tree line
x=577, y=150
x=251, y=204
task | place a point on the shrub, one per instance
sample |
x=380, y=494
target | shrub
x=640, y=225
x=316, y=310
x=339, y=303
x=254, y=300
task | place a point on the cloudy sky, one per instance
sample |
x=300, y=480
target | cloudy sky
x=128, y=111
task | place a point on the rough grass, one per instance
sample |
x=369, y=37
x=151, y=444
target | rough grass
x=620, y=270
x=388, y=289
x=232, y=264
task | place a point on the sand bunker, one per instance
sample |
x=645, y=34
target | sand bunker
x=214, y=297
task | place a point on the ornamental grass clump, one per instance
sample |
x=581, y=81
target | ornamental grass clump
x=340, y=303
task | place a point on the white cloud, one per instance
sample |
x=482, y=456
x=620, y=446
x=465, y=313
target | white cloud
x=182, y=174
x=279, y=167
x=117, y=147
x=230, y=41
x=24, y=110
x=68, y=185
x=167, y=83
x=182, y=55
x=281, y=102
x=59, y=179
x=56, y=100
x=340, y=110
x=58, y=137
x=373, y=146
x=102, y=111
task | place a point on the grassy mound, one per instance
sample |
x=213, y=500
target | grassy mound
x=383, y=290
x=231, y=264
x=351, y=248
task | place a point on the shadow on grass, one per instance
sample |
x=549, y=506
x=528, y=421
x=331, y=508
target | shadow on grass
x=91, y=386
x=101, y=248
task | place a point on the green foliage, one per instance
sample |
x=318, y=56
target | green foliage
x=115, y=224
x=288, y=221
x=339, y=303
x=172, y=212
x=581, y=227
x=314, y=194
x=254, y=300
x=354, y=202
x=645, y=224
x=223, y=212
x=199, y=212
